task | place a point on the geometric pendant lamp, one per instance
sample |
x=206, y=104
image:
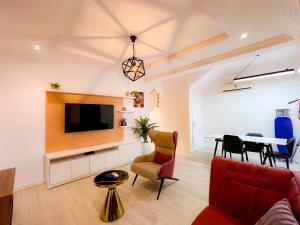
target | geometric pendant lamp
x=133, y=68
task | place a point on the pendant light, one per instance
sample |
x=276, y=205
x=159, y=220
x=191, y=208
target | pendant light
x=265, y=75
x=133, y=68
x=262, y=75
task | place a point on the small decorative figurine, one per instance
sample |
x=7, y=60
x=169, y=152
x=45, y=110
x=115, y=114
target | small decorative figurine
x=123, y=122
x=55, y=85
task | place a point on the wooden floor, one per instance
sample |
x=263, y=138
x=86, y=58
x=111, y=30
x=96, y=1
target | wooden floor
x=79, y=203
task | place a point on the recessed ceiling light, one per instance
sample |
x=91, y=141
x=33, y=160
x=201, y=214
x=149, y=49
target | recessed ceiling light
x=244, y=35
x=37, y=47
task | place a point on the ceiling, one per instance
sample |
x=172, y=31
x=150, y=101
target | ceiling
x=95, y=33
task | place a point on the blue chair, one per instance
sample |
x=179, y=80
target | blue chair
x=283, y=129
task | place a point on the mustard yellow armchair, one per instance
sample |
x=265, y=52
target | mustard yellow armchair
x=158, y=165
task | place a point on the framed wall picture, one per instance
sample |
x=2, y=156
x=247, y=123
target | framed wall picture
x=139, y=99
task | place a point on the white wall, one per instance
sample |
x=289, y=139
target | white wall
x=22, y=113
x=250, y=110
x=173, y=113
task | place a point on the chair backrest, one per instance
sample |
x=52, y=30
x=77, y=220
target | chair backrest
x=252, y=146
x=232, y=144
x=290, y=146
x=165, y=142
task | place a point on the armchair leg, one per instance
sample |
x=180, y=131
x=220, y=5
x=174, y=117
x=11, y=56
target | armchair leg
x=172, y=178
x=134, y=179
x=160, y=187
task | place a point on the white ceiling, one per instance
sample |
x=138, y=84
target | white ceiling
x=95, y=33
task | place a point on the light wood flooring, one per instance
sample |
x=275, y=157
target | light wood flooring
x=79, y=202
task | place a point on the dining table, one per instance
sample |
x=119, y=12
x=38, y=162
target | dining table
x=267, y=141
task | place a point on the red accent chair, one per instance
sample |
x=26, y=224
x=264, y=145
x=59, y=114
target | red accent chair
x=241, y=193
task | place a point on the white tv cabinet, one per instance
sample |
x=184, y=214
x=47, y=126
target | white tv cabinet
x=69, y=165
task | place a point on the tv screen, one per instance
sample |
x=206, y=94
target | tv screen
x=87, y=117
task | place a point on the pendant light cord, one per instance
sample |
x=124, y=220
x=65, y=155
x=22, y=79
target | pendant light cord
x=245, y=67
x=133, y=50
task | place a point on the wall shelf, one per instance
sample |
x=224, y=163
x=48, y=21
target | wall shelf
x=127, y=111
x=127, y=126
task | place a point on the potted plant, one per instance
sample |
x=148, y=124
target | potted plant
x=143, y=126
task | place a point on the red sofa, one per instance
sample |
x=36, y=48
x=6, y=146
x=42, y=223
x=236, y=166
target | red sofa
x=240, y=193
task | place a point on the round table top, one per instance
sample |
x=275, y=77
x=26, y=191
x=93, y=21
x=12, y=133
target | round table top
x=111, y=178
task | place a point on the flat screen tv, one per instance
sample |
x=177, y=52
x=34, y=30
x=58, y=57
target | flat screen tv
x=87, y=117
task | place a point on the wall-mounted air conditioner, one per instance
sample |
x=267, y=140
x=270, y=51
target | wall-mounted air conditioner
x=237, y=86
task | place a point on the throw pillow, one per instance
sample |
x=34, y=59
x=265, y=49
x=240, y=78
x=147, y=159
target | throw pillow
x=279, y=214
x=161, y=158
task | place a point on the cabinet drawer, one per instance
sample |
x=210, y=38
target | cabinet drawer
x=60, y=171
x=128, y=152
x=112, y=158
x=97, y=162
x=80, y=166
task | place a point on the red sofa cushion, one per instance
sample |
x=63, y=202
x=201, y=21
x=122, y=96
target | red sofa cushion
x=244, y=190
x=214, y=216
x=245, y=202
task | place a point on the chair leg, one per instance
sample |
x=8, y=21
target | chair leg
x=216, y=148
x=274, y=160
x=265, y=159
x=242, y=155
x=225, y=154
x=230, y=155
x=287, y=163
x=246, y=153
x=270, y=161
x=134, y=179
x=261, y=159
x=160, y=187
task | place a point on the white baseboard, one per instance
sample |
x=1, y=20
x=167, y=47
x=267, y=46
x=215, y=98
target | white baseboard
x=28, y=185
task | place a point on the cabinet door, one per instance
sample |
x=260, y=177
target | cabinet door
x=60, y=171
x=128, y=152
x=112, y=158
x=80, y=166
x=97, y=162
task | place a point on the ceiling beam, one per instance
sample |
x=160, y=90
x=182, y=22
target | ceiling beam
x=187, y=50
x=233, y=53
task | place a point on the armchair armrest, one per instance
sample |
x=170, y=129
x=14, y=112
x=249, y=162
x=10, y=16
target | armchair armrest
x=167, y=168
x=145, y=158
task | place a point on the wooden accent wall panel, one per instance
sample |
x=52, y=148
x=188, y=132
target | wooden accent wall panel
x=58, y=140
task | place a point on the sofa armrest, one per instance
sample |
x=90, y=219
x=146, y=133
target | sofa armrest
x=167, y=168
x=145, y=158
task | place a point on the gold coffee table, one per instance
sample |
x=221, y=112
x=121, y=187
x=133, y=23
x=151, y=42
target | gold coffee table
x=112, y=208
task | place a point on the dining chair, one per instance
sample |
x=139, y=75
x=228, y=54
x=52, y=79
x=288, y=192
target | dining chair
x=233, y=144
x=282, y=155
x=255, y=147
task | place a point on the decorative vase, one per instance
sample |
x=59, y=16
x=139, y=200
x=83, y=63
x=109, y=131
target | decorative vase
x=146, y=147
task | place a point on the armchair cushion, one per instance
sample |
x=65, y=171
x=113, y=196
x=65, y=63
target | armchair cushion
x=145, y=158
x=161, y=158
x=149, y=170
